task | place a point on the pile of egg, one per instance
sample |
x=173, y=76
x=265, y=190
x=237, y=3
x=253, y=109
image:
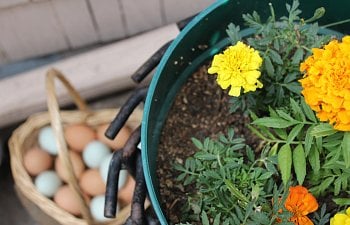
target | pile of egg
x=90, y=153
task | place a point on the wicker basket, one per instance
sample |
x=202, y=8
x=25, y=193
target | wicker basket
x=44, y=210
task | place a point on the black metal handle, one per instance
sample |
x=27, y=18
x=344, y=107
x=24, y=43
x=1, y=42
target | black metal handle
x=129, y=157
x=150, y=64
x=118, y=122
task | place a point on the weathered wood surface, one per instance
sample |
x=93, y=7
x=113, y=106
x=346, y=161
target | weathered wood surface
x=141, y=15
x=75, y=21
x=30, y=28
x=109, y=19
x=176, y=10
x=94, y=73
x=11, y=3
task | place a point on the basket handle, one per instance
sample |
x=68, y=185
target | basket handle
x=56, y=124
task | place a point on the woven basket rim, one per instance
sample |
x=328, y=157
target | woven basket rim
x=57, y=118
x=24, y=181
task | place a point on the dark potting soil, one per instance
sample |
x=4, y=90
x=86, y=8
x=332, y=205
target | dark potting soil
x=201, y=109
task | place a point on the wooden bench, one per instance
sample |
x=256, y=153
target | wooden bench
x=95, y=73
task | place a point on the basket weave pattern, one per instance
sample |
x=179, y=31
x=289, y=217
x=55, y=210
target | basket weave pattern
x=25, y=136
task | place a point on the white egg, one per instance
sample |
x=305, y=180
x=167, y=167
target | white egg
x=47, y=140
x=104, y=171
x=97, y=205
x=48, y=183
x=94, y=153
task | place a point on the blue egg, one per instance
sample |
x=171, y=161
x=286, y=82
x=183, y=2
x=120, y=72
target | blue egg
x=97, y=205
x=47, y=140
x=47, y=183
x=94, y=153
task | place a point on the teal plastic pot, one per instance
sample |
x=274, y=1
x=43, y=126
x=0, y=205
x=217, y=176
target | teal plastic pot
x=203, y=37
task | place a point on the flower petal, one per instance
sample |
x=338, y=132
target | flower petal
x=237, y=67
x=235, y=91
x=326, y=82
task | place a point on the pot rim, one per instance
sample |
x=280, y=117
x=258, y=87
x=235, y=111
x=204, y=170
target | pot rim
x=144, y=131
x=145, y=134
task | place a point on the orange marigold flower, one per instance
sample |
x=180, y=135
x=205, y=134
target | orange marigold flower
x=326, y=83
x=300, y=203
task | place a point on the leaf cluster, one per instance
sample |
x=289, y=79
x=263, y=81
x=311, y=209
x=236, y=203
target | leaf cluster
x=302, y=143
x=234, y=185
x=321, y=217
x=282, y=44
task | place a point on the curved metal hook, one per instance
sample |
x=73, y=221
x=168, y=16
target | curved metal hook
x=118, y=122
x=129, y=157
x=150, y=64
x=123, y=158
x=154, y=60
x=112, y=185
x=137, y=215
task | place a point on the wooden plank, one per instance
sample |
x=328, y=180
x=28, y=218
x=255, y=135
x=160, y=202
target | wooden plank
x=10, y=3
x=3, y=56
x=95, y=73
x=141, y=15
x=9, y=41
x=30, y=30
x=108, y=17
x=180, y=9
x=76, y=22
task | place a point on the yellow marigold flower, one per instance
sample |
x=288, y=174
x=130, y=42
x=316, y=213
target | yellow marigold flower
x=341, y=218
x=300, y=203
x=326, y=83
x=237, y=67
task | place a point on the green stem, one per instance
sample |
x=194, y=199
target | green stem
x=272, y=12
x=257, y=133
x=242, y=199
x=219, y=161
x=260, y=135
x=306, y=48
x=335, y=23
x=254, y=163
x=189, y=172
x=268, y=140
x=273, y=219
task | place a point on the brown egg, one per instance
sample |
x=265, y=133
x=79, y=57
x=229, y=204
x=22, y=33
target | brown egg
x=126, y=192
x=67, y=200
x=77, y=162
x=37, y=160
x=78, y=136
x=118, y=142
x=92, y=183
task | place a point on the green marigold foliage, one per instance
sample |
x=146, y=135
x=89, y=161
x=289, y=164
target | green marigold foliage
x=237, y=186
x=283, y=44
